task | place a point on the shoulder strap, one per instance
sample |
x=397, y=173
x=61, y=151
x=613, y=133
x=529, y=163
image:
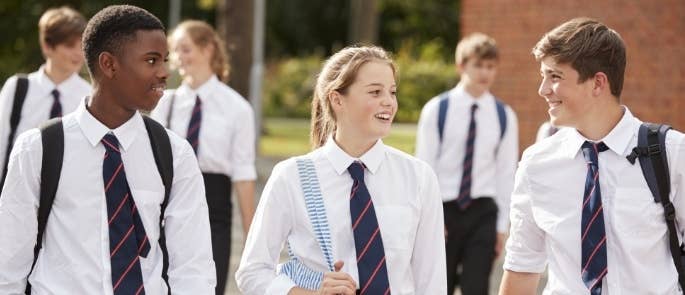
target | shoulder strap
x=15, y=116
x=169, y=115
x=501, y=116
x=442, y=113
x=52, y=138
x=161, y=150
x=651, y=152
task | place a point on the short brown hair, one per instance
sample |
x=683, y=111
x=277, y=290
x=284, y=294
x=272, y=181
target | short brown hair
x=589, y=47
x=60, y=25
x=476, y=45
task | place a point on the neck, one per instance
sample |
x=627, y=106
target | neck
x=55, y=74
x=102, y=105
x=473, y=90
x=197, y=79
x=352, y=145
x=601, y=120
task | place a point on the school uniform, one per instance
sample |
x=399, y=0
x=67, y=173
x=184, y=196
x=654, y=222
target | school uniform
x=404, y=197
x=550, y=199
x=76, y=257
x=224, y=142
x=39, y=102
x=471, y=140
x=545, y=130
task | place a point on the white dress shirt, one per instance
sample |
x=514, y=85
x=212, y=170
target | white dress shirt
x=407, y=203
x=38, y=102
x=547, y=206
x=75, y=255
x=227, y=133
x=494, y=160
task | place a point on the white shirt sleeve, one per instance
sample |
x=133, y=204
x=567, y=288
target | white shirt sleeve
x=161, y=111
x=427, y=138
x=270, y=227
x=18, y=213
x=525, y=250
x=243, y=149
x=507, y=157
x=428, y=259
x=676, y=156
x=6, y=102
x=188, y=237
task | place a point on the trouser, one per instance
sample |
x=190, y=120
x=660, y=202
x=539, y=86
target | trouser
x=470, y=244
x=218, y=191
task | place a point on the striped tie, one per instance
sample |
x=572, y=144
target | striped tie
x=464, y=199
x=127, y=238
x=193, y=134
x=373, y=273
x=593, y=236
x=56, y=110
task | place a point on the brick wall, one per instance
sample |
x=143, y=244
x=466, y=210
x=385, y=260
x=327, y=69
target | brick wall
x=654, y=87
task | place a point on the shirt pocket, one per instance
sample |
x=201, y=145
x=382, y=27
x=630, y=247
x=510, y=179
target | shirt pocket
x=397, y=226
x=635, y=212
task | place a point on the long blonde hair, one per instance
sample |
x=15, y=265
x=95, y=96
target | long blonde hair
x=338, y=73
x=203, y=35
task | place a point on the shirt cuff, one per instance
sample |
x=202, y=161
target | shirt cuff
x=281, y=285
x=502, y=224
x=244, y=172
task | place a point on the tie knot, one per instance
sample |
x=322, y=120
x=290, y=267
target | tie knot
x=111, y=143
x=474, y=107
x=55, y=93
x=591, y=150
x=356, y=170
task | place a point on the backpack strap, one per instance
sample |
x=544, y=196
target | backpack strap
x=52, y=138
x=15, y=117
x=299, y=273
x=651, y=152
x=501, y=117
x=161, y=150
x=169, y=114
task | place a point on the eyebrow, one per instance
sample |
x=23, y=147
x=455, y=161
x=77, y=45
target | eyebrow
x=552, y=71
x=378, y=84
x=155, y=53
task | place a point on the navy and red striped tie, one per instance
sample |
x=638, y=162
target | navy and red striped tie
x=193, y=135
x=56, y=109
x=464, y=198
x=593, y=235
x=127, y=238
x=371, y=266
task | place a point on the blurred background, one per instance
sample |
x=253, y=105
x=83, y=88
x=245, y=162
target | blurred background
x=277, y=48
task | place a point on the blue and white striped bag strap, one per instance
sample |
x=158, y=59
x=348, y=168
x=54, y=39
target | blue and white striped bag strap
x=299, y=273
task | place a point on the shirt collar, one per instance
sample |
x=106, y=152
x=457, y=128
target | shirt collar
x=46, y=85
x=617, y=140
x=204, y=91
x=94, y=130
x=340, y=160
x=466, y=98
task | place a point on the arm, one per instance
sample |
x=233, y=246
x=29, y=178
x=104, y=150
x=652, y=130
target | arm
x=6, y=101
x=428, y=258
x=519, y=283
x=427, y=139
x=243, y=162
x=507, y=157
x=18, y=213
x=188, y=240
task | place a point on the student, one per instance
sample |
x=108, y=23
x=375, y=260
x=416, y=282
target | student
x=370, y=192
x=470, y=139
x=55, y=89
x=594, y=239
x=219, y=123
x=103, y=230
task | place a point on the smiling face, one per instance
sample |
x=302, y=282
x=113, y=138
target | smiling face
x=366, y=109
x=141, y=70
x=188, y=57
x=570, y=102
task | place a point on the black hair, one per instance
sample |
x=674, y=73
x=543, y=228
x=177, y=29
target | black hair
x=113, y=26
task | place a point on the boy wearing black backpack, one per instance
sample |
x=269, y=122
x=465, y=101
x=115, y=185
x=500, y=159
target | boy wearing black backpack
x=583, y=206
x=470, y=138
x=105, y=201
x=26, y=101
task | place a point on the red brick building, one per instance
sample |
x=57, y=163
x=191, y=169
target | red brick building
x=654, y=87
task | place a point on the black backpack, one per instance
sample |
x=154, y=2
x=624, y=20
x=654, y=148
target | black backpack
x=52, y=136
x=651, y=152
x=15, y=116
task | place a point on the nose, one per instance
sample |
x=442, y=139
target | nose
x=544, y=89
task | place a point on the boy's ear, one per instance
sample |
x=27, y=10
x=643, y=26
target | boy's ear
x=107, y=64
x=600, y=83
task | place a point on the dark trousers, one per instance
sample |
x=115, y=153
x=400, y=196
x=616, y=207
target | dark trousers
x=218, y=190
x=470, y=245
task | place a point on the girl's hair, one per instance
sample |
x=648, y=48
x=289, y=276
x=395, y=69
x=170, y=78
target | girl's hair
x=338, y=73
x=203, y=35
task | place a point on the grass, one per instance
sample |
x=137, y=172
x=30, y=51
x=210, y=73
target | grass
x=289, y=137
